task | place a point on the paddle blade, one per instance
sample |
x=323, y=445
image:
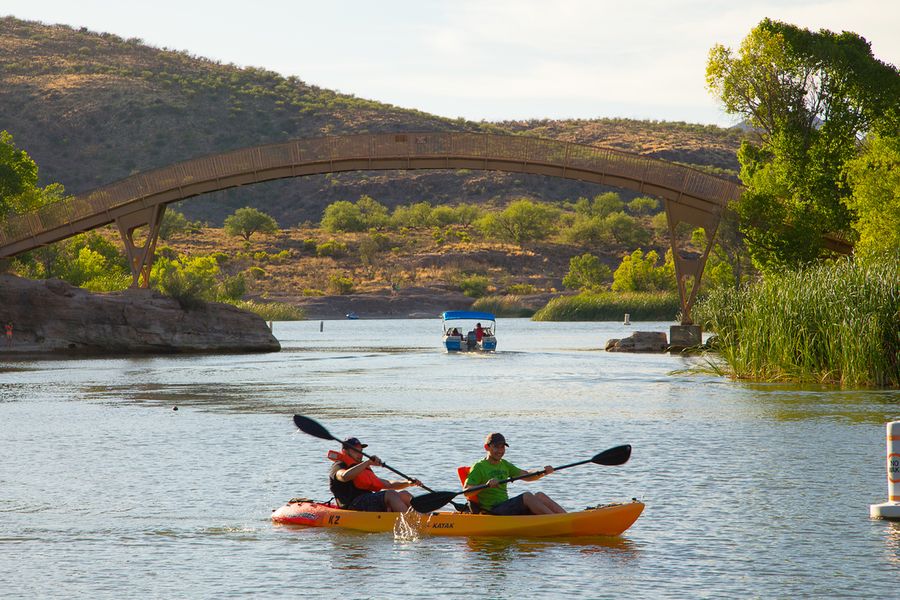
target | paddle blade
x=307, y=425
x=614, y=456
x=427, y=503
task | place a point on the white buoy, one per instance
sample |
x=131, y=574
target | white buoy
x=627, y=319
x=891, y=508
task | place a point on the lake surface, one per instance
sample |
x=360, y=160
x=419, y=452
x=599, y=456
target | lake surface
x=751, y=490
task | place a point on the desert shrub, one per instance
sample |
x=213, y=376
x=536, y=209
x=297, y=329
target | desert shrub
x=474, y=286
x=340, y=285
x=643, y=206
x=521, y=289
x=331, y=248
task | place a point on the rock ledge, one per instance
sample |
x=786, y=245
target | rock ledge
x=51, y=316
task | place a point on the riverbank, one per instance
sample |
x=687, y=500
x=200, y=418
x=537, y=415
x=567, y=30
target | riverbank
x=50, y=316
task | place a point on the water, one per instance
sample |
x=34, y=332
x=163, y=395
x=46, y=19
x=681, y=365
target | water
x=752, y=490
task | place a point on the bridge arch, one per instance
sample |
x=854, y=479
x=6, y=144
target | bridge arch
x=689, y=196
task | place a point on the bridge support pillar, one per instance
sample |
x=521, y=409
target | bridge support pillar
x=140, y=256
x=689, y=269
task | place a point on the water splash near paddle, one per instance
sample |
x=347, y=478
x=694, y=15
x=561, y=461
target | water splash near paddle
x=410, y=526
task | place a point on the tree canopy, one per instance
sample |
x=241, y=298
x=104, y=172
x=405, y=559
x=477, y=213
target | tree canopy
x=247, y=221
x=19, y=191
x=811, y=96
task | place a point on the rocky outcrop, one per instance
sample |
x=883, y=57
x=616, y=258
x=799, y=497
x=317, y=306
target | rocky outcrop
x=640, y=341
x=51, y=316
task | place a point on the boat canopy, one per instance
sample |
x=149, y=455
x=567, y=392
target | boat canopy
x=452, y=315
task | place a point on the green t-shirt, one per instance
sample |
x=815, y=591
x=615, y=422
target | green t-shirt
x=482, y=472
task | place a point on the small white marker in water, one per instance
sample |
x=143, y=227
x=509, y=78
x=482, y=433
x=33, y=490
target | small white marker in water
x=627, y=319
x=891, y=508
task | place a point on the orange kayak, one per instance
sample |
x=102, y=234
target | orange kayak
x=609, y=519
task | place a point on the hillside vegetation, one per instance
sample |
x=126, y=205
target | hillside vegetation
x=91, y=108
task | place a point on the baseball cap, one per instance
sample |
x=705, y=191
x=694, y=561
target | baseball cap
x=352, y=442
x=494, y=439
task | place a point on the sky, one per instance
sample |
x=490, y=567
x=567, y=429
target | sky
x=487, y=60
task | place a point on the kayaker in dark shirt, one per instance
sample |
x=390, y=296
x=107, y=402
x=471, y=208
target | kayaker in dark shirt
x=356, y=487
x=494, y=499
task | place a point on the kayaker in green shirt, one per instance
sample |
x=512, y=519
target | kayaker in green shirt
x=494, y=499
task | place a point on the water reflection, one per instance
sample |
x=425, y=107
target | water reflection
x=505, y=549
x=892, y=542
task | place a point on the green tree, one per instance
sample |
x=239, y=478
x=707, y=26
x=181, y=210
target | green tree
x=810, y=95
x=586, y=272
x=247, y=221
x=343, y=216
x=173, y=222
x=639, y=273
x=19, y=192
x=643, y=205
x=587, y=230
x=374, y=214
x=626, y=230
x=188, y=280
x=521, y=222
x=606, y=204
x=418, y=214
x=874, y=177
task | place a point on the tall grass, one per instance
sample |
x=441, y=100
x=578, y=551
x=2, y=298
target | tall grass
x=510, y=305
x=836, y=322
x=271, y=311
x=611, y=306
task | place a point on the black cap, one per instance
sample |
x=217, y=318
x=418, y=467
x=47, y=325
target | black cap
x=353, y=442
x=493, y=439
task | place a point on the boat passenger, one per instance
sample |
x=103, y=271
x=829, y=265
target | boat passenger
x=494, y=499
x=479, y=332
x=356, y=487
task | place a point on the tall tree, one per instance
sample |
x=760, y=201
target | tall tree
x=811, y=96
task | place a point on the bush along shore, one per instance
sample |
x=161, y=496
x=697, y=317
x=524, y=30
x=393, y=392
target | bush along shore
x=835, y=323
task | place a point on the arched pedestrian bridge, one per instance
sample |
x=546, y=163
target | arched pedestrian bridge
x=689, y=195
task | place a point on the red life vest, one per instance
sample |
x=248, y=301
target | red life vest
x=367, y=480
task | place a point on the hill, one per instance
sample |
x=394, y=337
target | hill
x=91, y=108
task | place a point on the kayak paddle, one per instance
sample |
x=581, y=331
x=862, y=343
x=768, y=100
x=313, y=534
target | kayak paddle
x=315, y=429
x=427, y=503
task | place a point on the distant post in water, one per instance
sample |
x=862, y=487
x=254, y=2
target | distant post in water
x=627, y=319
x=891, y=508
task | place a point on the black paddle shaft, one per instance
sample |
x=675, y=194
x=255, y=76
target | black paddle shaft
x=433, y=501
x=315, y=429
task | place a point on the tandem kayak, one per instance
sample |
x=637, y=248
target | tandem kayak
x=609, y=519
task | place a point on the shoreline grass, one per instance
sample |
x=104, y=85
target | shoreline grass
x=834, y=323
x=611, y=306
x=271, y=311
x=510, y=306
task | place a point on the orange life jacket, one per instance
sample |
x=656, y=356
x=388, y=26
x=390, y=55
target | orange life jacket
x=367, y=480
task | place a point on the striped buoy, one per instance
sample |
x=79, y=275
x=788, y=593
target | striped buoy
x=891, y=508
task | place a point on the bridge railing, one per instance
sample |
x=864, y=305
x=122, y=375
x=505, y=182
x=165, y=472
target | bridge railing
x=368, y=146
